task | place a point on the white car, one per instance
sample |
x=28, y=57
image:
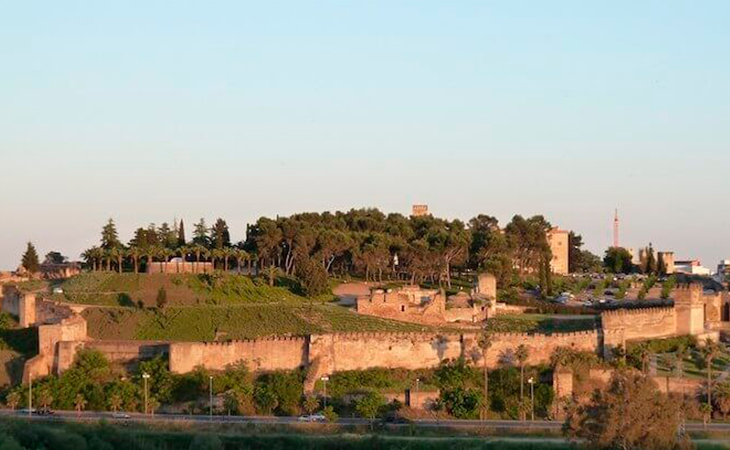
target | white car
x=312, y=418
x=120, y=415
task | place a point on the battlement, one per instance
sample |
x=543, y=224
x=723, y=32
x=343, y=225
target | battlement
x=637, y=311
x=389, y=335
x=302, y=339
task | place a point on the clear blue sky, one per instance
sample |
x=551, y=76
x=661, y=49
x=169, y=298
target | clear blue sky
x=148, y=110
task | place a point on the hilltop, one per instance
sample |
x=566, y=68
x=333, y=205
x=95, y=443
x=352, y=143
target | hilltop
x=206, y=307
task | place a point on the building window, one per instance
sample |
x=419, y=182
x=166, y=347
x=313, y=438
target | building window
x=403, y=308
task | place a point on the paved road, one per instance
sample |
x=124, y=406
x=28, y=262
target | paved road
x=263, y=420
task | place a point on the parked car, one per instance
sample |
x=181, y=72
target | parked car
x=45, y=412
x=312, y=418
x=120, y=415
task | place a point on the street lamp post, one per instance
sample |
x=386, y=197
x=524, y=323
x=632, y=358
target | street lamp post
x=325, y=379
x=210, y=378
x=532, y=398
x=30, y=395
x=145, y=377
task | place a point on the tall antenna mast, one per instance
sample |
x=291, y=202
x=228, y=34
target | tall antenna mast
x=615, y=229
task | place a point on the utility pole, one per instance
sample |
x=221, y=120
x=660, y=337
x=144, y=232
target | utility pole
x=211, y=397
x=145, y=377
x=532, y=398
x=615, y=229
x=30, y=395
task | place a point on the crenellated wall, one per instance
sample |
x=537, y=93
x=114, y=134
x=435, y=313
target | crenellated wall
x=126, y=353
x=19, y=304
x=623, y=325
x=260, y=354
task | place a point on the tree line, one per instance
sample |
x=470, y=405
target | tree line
x=360, y=242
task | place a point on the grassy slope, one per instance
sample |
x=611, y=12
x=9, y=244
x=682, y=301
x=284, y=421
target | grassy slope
x=200, y=306
x=237, y=322
x=537, y=323
x=237, y=307
x=127, y=289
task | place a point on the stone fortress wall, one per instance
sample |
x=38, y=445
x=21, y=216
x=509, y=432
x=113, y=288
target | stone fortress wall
x=179, y=266
x=60, y=340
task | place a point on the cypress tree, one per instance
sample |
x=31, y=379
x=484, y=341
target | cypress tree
x=30, y=259
x=181, y=234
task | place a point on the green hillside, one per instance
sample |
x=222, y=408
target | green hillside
x=203, y=307
x=232, y=322
x=128, y=289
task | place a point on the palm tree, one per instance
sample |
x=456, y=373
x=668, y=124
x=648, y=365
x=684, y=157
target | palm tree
x=45, y=398
x=228, y=253
x=79, y=403
x=164, y=253
x=230, y=402
x=241, y=256
x=217, y=254
x=208, y=254
x=133, y=252
x=722, y=398
x=679, y=357
x=709, y=353
x=153, y=405
x=183, y=252
x=107, y=260
x=13, y=400
x=118, y=253
x=115, y=402
x=198, y=250
x=485, y=343
x=310, y=404
x=645, y=354
x=91, y=256
x=521, y=355
x=149, y=253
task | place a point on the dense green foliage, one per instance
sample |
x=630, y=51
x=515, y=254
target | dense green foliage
x=530, y=323
x=462, y=395
x=362, y=242
x=630, y=414
x=618, y=260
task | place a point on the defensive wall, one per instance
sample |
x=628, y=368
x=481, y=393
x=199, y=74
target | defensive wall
x=127, y=353
x=19, y=304
x=173, y=267
x=278, y=353
x=327, y=353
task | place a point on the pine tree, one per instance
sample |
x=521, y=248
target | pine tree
x=219, y=235
x=109, y=236
x=200, y=233
x=181, y=234
x=30, y=259
x=167, y=237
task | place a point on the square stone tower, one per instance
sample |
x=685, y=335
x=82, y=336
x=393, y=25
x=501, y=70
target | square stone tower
x=690, y=309
x=559, y=241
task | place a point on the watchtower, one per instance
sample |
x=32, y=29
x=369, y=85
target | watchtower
x=690, y=308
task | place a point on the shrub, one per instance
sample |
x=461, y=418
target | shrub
x=462, y=403
x=370, y=405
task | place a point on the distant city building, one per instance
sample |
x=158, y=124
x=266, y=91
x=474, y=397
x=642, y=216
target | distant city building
x=559, y=241
x=665, y=261
x=691, y=267
x=419, y=210
x=723, y=269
